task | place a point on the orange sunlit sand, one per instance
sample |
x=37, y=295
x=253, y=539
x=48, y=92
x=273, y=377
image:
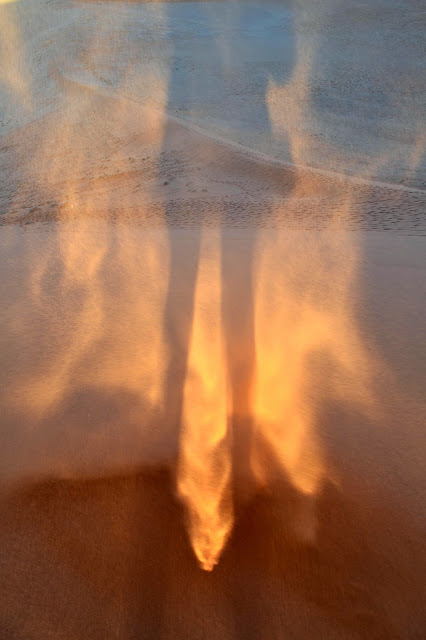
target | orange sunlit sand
x=211, y=381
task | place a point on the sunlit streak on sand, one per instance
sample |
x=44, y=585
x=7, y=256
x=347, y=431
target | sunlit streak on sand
x=111, y=289
x=204, y=472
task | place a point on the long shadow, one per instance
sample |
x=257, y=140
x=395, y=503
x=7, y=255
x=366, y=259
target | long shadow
x=185, y=90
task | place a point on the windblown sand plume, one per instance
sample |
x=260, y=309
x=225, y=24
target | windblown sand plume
x=138, y=298
x=205, y=462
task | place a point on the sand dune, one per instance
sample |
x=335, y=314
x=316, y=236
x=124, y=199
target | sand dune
x=212, y=237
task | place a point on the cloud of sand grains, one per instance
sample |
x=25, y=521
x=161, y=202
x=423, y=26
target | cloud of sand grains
x=94, y=311
x=90, y=316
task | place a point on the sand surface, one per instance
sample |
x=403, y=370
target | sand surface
x=93, y=538
x=142, y=146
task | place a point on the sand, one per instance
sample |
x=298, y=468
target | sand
x=119, y=158
x=94, y=542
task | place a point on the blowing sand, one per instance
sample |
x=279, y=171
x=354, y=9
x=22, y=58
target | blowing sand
x=154, y=203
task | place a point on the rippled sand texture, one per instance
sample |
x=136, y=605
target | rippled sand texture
x=213, y=221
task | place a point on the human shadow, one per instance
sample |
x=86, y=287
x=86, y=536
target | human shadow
x=219, y=56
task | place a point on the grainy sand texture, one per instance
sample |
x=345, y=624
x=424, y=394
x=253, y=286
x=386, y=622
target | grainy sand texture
x=212, y=320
